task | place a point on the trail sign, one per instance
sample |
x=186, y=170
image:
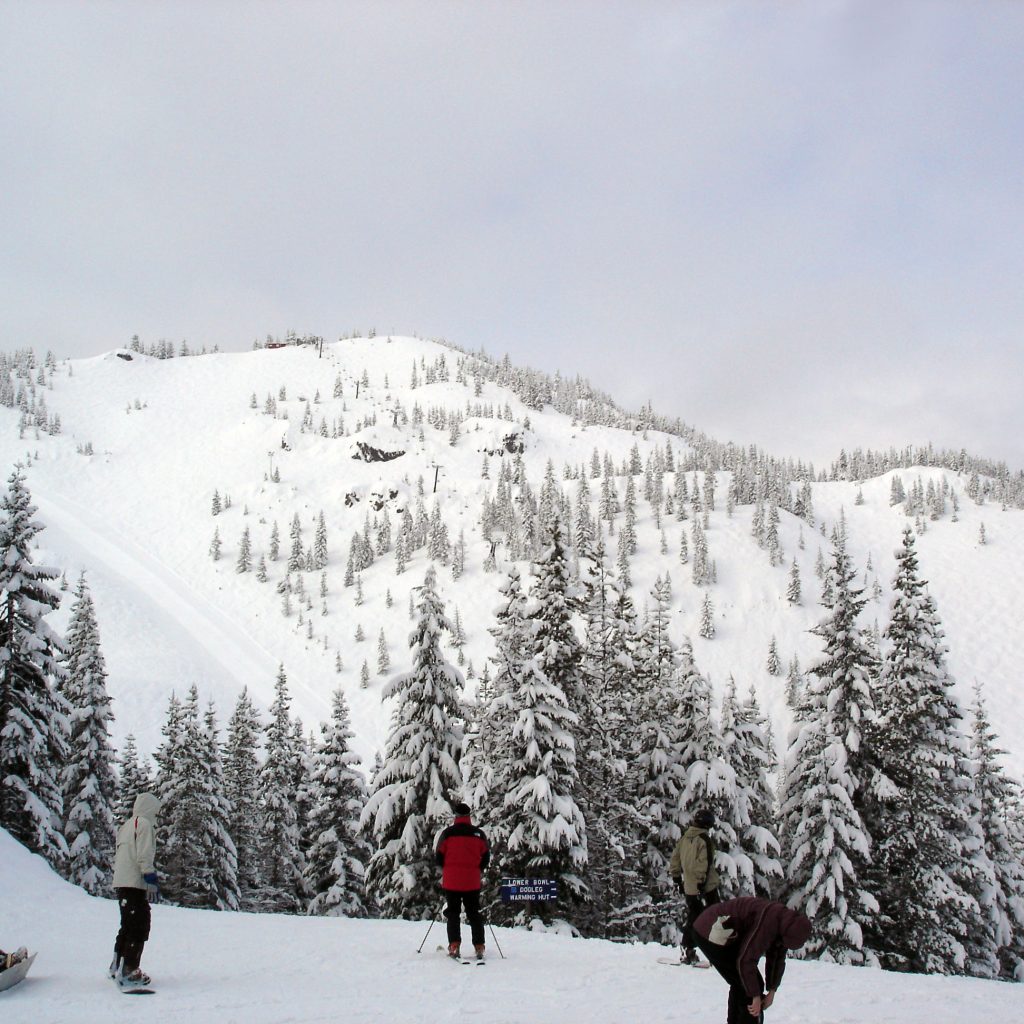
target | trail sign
x=528, y=890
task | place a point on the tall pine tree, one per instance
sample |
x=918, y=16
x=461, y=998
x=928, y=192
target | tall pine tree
x=547, y=832
x=619, y=906
x=828, y=847
x=87, y=780
x=336, y=865
x=412, y=790
x=283, y=887
x=916, y=812
x=1002, y=826
x=33, y=715
x=241, y=788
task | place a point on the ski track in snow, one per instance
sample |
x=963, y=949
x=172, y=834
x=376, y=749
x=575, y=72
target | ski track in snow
x=203, y=643
x=235, y=651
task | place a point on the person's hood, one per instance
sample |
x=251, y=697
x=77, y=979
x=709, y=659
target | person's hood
x=694, y=830
x=146, y=806
x=795, y=929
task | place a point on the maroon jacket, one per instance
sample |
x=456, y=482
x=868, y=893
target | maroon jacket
x=761, y=928
x=463, y=852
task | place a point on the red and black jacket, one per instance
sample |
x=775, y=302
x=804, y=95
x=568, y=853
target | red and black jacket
x=463, y=852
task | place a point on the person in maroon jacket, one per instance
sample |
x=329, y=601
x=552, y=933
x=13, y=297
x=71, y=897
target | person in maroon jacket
x=734, y=935
x=462, y=853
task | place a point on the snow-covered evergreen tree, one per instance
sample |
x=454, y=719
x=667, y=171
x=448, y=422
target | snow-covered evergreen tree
x=659, y=785
x=336, y=863
x=411, y=793
x=707, y=619
x=486, y=761
x=134, y=778
x=916, y=813
x=547, y=832
x=220, y=855
x=793, y=587
x=33, y=715
x=197, y=856
x=752, y=813
x=178, y=852
x=88, y=780
x=1002, y=826
x=283, y=888
x=320, y=554
x=707, y=779
x=619, y=905
x=241, y=781
x=244, y=561
x=827, y=846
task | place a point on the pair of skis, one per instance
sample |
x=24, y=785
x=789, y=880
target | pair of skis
x=479, y=961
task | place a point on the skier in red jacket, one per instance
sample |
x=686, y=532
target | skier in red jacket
x=734, y=935
x=462, y=853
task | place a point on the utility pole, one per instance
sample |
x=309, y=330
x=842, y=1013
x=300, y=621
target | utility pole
x=437, y=469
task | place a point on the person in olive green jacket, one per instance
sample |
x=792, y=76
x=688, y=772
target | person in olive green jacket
x=693, y=868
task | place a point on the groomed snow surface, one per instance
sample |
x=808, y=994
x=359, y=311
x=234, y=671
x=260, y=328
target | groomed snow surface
x=213, y=968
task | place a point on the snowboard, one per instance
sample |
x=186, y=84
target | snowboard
x=11, y=977
x=128, y=989
x=674, y=961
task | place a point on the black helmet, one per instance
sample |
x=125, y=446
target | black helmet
x=704, y=818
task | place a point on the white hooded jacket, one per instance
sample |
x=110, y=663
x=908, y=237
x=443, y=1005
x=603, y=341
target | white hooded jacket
x=136, y=844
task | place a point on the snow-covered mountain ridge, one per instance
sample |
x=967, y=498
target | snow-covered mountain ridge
x=165, y=435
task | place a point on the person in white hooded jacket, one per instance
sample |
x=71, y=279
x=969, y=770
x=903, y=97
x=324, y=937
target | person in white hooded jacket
x=135, y=879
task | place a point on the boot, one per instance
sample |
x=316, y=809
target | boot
x=455, y=950
x=479, y=950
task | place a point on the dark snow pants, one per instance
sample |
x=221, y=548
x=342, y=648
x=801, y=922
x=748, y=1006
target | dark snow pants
x=723, y=959
x=134, y=932
x=471, y=901
x=695, y=906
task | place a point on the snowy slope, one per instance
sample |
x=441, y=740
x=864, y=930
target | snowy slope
x=168, y=433
x=212, y=968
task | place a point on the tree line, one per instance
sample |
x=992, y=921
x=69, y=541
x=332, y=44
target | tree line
x=590, y=743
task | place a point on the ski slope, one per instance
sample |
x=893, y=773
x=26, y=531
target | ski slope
x=136, y=516
x=211, y=968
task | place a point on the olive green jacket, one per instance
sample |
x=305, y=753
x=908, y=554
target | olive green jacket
x=694, y=860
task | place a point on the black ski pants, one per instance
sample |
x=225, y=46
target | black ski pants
x=695, y=906
x=723, y=959
x=455, y=901
x=135, y=920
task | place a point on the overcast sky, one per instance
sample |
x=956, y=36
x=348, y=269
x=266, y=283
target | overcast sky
x=792, y=224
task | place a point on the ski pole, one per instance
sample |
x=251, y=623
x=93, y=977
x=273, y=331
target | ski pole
x=495, y=937
x=432, y=922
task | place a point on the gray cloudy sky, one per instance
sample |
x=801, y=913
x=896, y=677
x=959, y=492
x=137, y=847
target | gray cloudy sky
x=793, y=224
